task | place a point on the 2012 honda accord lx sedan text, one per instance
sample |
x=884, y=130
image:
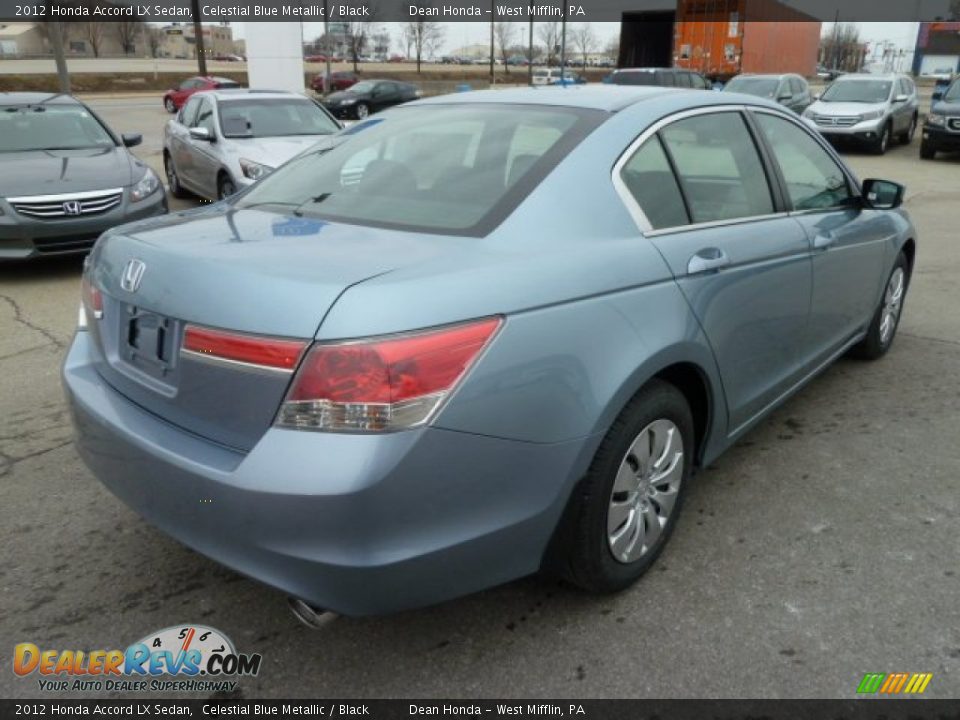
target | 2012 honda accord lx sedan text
x=477, y=336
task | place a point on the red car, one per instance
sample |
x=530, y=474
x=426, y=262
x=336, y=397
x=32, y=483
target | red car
x=316, y=58
x=339, y=80
x=174, y=98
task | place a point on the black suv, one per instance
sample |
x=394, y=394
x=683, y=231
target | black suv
x=663, y=77
x=941, y=131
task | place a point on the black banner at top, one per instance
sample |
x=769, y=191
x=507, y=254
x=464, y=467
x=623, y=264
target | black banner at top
x=164, y=11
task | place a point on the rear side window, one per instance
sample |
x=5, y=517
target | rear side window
x=797, y=86
x=189, y=112
x=814, y=180
x=683, y=80
x=648, y=177
x=634, y=78
x=666, y=79
x=719, y=169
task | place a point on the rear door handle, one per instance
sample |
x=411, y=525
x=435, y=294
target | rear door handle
x=822, y=242
x=706, y=260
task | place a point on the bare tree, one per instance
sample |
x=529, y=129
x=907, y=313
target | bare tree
x=612, y=50
x=357, y=36
x=154, y=39
x=424, y=37
x=841, y=48
x=584, y=40
x=549, y=33
x=127, y=32
x=504, y=36
x=92, y=32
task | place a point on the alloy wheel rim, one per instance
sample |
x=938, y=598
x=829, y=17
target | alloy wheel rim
x=892, y=302
x=645, y=491
x=362, y=112
x=885, y=138
x=171, y=176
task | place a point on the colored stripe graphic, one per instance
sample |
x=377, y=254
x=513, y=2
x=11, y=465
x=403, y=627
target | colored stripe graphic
x=894, y=683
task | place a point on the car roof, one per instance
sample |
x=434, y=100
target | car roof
x=868, y=76
x=653, y=69
x=36, y=98
x=610, y=98
x=764, y=75
x=227, y=94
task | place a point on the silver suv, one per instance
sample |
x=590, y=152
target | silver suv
x=221, y=141
x=869, y=109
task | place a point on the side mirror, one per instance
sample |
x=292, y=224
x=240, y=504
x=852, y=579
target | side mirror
x=937, y=95
x=883, y=194
x=201, y=133
x=901, y=98
x=131, y=139
x=816, y=96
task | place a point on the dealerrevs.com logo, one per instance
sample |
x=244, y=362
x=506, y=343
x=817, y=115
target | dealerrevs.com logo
x=181, y=658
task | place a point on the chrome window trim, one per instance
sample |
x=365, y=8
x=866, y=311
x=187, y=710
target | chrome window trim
x=633, y=207
x=63, y=196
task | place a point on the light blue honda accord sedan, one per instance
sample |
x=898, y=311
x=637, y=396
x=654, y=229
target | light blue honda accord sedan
x=477, y=336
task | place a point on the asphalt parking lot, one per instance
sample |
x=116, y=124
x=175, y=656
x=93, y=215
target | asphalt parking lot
x=822, y=547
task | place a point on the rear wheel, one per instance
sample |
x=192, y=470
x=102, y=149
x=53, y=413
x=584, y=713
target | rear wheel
x=906, y=137
x=169, y=105
x=173, y=182
x=927, y=151
x=627, y=505
x=885, y=321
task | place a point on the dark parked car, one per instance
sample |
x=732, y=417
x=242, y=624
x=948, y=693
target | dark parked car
x=369, y=96
x=664, y=77
x=791, y=91
x=941, y=131
x=339, y=80
x=66, y=177
x=174, y=98
x=491, y=333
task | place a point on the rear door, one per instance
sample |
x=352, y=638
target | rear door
x=743, y=266
x=849, y=243
x=180, y=137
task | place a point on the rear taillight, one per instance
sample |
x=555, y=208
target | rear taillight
x=382, y=384
x=91, y=303
x=265, y=352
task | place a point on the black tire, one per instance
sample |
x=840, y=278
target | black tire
x=882, y=143
x=173, y=181
x=585, y=557
x=225, y=186
x=362, y=111
x=906, y=137
x=875, y=345
x=927, y=152
x=169, y=105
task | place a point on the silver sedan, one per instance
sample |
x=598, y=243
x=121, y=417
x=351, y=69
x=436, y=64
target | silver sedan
x=222, y=141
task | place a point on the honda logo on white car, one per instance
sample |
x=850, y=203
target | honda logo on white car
x=132, y=275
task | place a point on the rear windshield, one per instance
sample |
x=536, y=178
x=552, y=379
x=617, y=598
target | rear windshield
x=458, y=169
x=51, y=127
x=763, y=87
x=635, y=78
x=273, y=117
x=862, y=91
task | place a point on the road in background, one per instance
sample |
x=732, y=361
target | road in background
x=821, y=547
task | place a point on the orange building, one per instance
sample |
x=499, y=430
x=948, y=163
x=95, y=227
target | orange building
x=722, y=38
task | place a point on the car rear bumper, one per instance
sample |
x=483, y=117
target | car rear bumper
x=938, y=138
x=358, y=524
x=22, y=237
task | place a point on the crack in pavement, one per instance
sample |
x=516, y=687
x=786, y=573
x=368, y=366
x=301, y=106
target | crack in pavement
x=27, y=351
x=8, y=462
x=18, y=316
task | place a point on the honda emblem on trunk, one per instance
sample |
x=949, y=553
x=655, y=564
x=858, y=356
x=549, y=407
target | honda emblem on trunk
x=132, y=275
x=71, y=207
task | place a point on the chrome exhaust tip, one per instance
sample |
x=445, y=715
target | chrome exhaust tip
x=313, y=617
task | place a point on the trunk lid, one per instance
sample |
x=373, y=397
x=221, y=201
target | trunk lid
x=248, y=271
